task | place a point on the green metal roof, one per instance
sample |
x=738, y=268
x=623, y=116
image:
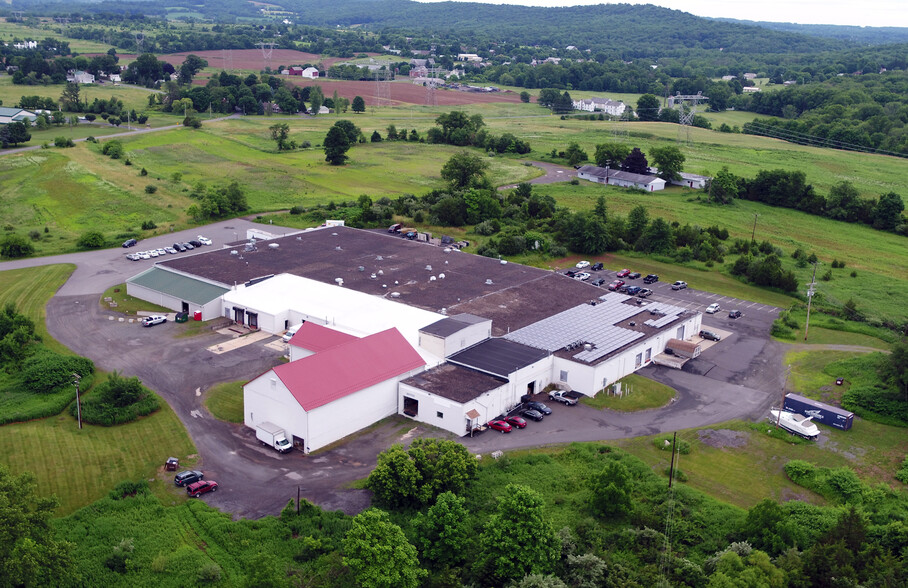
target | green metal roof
x=178, y=286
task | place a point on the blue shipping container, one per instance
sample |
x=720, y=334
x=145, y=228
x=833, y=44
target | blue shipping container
x=822, y=413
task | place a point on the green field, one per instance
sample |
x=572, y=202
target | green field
x=9, y=31
x=225, y=401
x=640, y=394
x=30, y=289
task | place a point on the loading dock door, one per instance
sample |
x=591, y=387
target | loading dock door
x=238, y=315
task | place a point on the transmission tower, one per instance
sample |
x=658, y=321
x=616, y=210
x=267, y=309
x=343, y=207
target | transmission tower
x=431, y=86
x=687, y=108
x=140, y=40
x=382, y=87
x=267, y=50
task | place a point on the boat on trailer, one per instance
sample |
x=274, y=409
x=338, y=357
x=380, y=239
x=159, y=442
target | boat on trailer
x=796, y=424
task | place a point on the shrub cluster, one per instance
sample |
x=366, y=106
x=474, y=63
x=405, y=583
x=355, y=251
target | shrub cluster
x=118, y=400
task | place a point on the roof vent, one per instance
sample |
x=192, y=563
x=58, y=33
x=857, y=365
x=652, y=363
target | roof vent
x=384, y=285
x=587, y=347
x=234, y=252
x=441, y=276
x=432, y=278
x=428, y=268
x=373, y=276
x=379, y=258
x=381, y=272
x=395, y=294
x=396, y=282
x=334, y=234
x=633, y=323
x=274, y=245
x=444, y=311
x=299, y=238
x=340, y=281
x=338, y=248
x=503, y=261
x=488, y=282
x=361, y=268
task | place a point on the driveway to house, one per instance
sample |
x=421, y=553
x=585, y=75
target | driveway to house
x=553, y=174
x=736, y=378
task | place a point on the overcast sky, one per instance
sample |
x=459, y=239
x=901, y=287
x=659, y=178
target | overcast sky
x=872, y=13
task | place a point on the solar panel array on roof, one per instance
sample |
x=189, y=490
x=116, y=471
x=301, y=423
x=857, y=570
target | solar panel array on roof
x=619, y=339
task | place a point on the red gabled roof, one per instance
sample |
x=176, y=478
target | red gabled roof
x=347, y=368
x=317, y=338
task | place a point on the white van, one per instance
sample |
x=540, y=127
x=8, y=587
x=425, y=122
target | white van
x=291, y=332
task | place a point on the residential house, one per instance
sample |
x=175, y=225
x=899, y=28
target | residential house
x=605, y=105
x=604, y=175
x=80, y=77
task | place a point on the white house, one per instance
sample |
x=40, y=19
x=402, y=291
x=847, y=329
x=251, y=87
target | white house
x=605, y=105
x=310, y=72
x=333, y=393
x=604, y=175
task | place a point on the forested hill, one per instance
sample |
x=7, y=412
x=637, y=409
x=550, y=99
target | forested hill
x=850, y=34
x=618, y=30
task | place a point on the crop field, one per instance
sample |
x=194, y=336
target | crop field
x=403, y=91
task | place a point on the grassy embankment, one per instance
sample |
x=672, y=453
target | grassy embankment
x=640, y=394
x=80, y=466
x=225, y=401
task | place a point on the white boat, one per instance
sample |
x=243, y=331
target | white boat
x=795, y=423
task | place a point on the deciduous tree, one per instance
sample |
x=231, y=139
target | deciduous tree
x=669, y=160
x=635, y=162
x=336, y=145
x=444, y=532
x=611, y=154
x=648, y=108
x=359, y=105
x=378, y=553
x=464, y=170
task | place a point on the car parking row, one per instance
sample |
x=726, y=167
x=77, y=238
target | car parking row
x=164, y=251
x=534, y=410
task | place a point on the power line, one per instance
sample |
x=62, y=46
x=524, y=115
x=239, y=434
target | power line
x=776, y=132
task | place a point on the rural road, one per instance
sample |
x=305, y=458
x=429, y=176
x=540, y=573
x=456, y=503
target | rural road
x=738, y=378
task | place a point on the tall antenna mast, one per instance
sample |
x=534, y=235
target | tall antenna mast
x=811, y=290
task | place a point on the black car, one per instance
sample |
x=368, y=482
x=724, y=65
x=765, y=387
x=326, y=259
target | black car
x=129, y=242
x=598, y=281
x=187, y=246
x=596, y=267
x=651, y=279
x=570, y=273
x=531, y=413
x=540, y=407
x=733, y=314
x=179, y=247
x=633, y=275
x=709, y=335
x=196, y=244
x=188, y=477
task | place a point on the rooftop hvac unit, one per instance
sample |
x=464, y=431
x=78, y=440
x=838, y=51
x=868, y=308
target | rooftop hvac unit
x=379, y=258
x=340, y=281
x=432, y=278
x=362, y=268
x=299, y=238
x=373, y=276
x=503, y=261
x=441, y=276
x=380, y=272
x=234, y=252
x=587, y=347
x=428, y=268
x=395, y=294
x=444, y=311
x=488, y=282
x=274, y=245
x=338, y=248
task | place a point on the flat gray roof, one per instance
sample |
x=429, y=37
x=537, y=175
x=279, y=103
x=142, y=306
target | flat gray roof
x=178, y=285
x=455, y=382
x=452, y=324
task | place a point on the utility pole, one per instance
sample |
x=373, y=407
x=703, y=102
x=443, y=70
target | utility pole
x=811, y=287
x=753, y=235
x=671, y=468
x=76, y=380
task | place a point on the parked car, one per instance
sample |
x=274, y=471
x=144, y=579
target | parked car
x=644, y=292
x=561, y=396
x=500, y=425
x=395, y=228
x=623, y=273
x=712, y=308
x=598, y=281
x=153, y=253
x=633, y=275
x=188, y=477
x=129, y=242
x=651, y=279
x=201, y=487
x=733, y=314
x=179, y=247
x=516, y=421
x=532, y=413
x=196, y=243
x=170, y=250
x=204, y=240
x=596, y=267
x=615, y=285
x=583, y=276
x=623, y=288
x=133, y=257
x=145, y=255
x=582, y=264
x=540, y=407
x=633, y=290
x=679, y=285
x=161, y=251
x=155, y=319
x=710, y=335
x=571, y=273
x=187, y=246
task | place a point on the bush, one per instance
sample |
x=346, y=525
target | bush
x=91, y=240
x=681, y=445
x=15, y=246
x=144, y=172
x=113, y=149
x=193, y=122
x=45, y=372
x=34, y=235
x=149, y=224
x=118, y=400
x=781, y=331
x=127, y=489
x=902, y=474
x=486, y=228
x=63, y=142
x=151, y=189
x=210, y=572
x=297, y=210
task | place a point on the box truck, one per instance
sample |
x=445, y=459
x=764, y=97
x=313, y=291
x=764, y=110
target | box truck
x=822, y=413
x=273, y=436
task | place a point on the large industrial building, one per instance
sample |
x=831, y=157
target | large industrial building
x=391, y=325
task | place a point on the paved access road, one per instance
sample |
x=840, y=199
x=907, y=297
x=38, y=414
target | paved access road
x=737, y=378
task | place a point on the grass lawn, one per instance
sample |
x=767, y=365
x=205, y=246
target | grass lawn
x=831, y=330
x=133, y=98
x=30, y=289
x=808, y=377
x=225, y=401
x=127, y=304
x=640, y=394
